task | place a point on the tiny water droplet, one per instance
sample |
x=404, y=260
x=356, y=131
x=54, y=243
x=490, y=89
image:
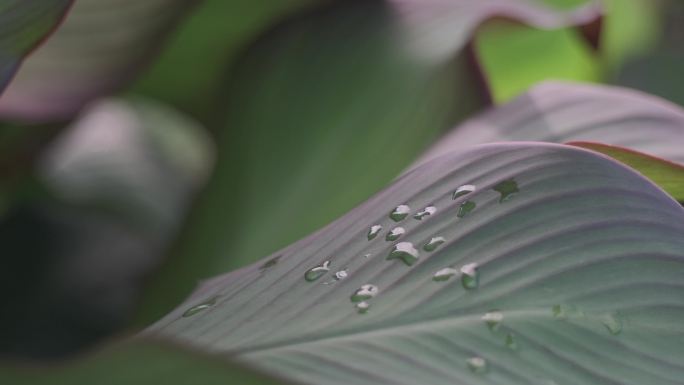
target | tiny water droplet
x=362, y=307
x=470, y=276
x=365, y=292
x=405, y=252
x=317, y=272
x=444, y=274
x=433, y=243
x=270, y=263
x=465, y=208
x=493, y=319
x=463, y=190
x=373, y=232
x=477, y=365
x=506, y=188
x=565, y=311
x=395, y=233
x=200, y=307
x=425, y=212
x=400, y=212
x=511, y=342
x=612, y=323
x=340, y=275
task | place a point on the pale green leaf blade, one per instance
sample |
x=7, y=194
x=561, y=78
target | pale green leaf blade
x=582, y=257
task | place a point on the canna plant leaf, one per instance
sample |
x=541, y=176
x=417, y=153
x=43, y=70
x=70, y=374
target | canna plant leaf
x=666, y=174
x=24, y=24
x=536, y=264
x=100, y=46
x=565, y=112
x=324, y=111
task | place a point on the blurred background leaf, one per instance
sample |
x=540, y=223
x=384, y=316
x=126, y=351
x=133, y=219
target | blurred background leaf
x=101, y=45
x=23, y=26
x=83, y=232
x=190, y=70
x=139, y=363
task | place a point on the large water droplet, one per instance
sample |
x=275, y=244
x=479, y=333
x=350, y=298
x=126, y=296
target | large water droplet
x=400, y=212
x=425, y=212
x=365, y=292
x=340, y=275
x=470, y=276
x=433, y=243
x=200, y=307
x=613, y=323
x=511, y=342
x=373, y=232
x=477, y=365
x=506, y=188
x=395, y=233
x=444, y=274
x=465, y=208
x=405, y=252
x=317, y=272
x=362, y=307
x=493, y=319
x=463, y=190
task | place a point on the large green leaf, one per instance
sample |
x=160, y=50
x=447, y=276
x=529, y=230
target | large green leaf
x=208, y=42
x=138, y=363
x=326, y=109
x=578, y=280
x=23, y=25
x=565, y=112
x=100, y=45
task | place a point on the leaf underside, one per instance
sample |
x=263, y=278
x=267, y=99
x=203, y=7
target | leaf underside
x=582, y=257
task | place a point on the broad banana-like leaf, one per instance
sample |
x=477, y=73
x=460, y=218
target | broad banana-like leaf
x=666, y=174
x=513, y=263
x=323, y=111
x=100, y=45
x=23, y=25
x=565, y=112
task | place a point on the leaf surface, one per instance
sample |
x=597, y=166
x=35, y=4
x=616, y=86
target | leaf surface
x=23, y=25
x=579, y=258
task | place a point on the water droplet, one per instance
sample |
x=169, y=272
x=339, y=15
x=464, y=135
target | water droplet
x=433, y=243
x=506, y=188
x=444, y=274
x=400, y=212
x=425, y=212
x=373, y=232
x=270, y=263
x=395, y=233
x=470, y=276
x=612, y=323
x=463, y=190
x=340, y=275
x=493, y=319
x=200, y=307
x=317, y=272
x=362, y=307
x=565, y=311
x=365, y=292
x=465, y=208
x=511, y=342
x=404, y=251
x=477, y=365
